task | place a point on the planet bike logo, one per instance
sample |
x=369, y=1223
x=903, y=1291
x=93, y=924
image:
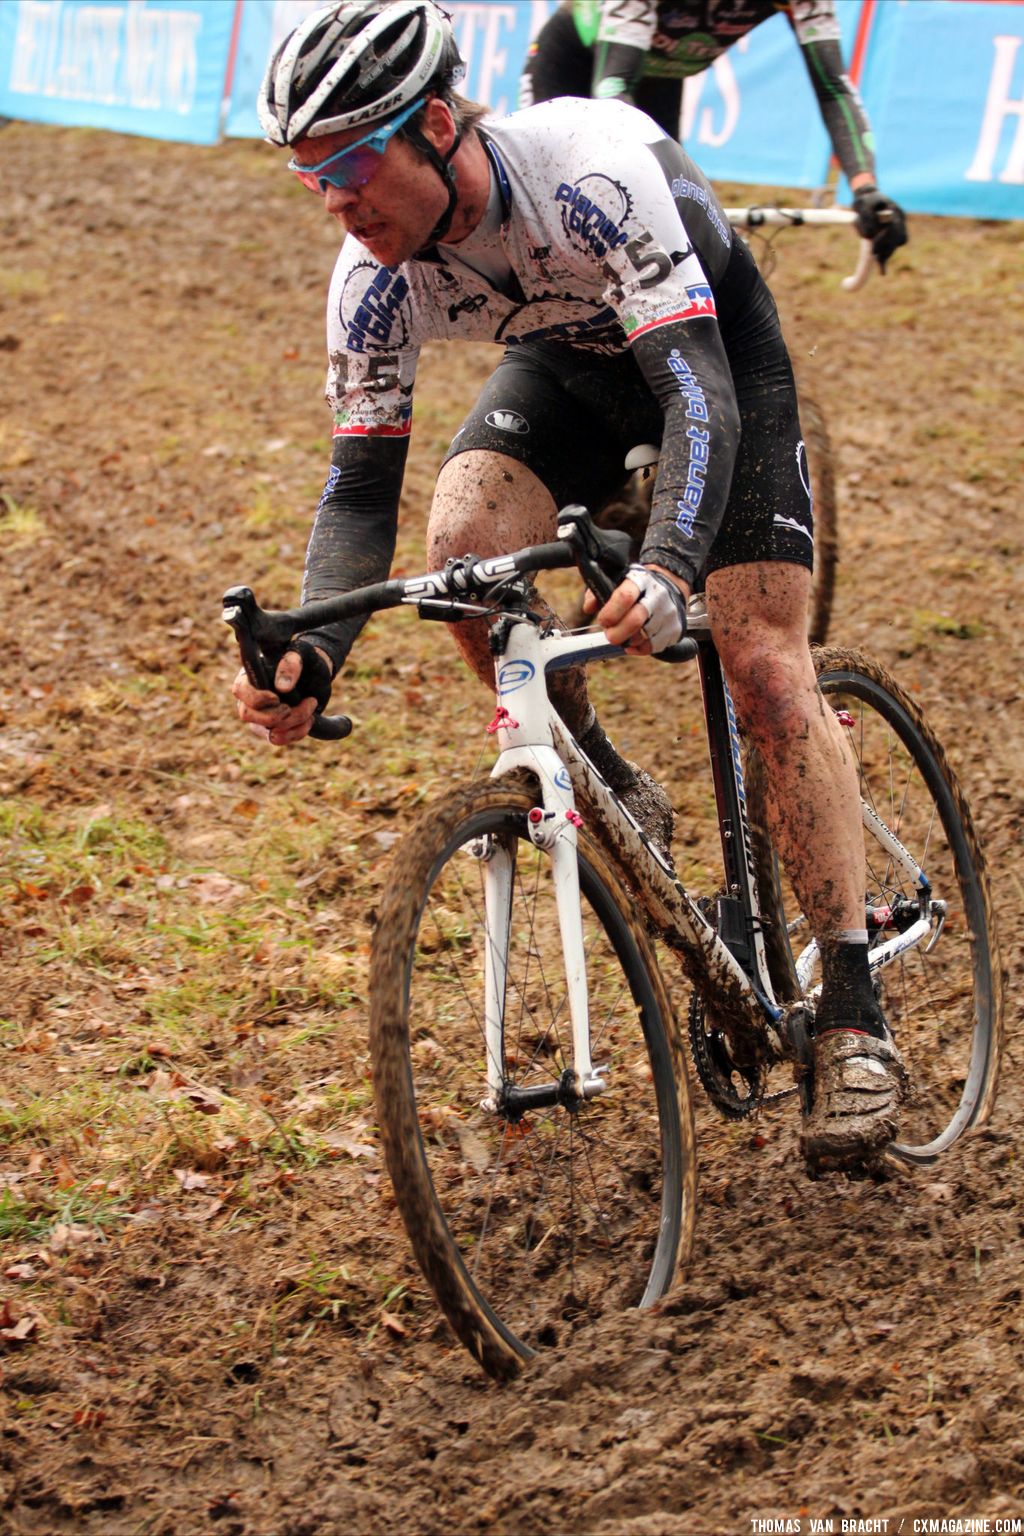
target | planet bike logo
x=515, y=674
x=377, y=311
x=507, y=421
x=741, y=788
x=594, y=210
x=333, y=476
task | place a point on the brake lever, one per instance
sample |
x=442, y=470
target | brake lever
x=614, y=547
x=591, y=548
x=261, y=646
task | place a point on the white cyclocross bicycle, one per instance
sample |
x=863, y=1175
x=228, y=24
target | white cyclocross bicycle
x=531, y=1088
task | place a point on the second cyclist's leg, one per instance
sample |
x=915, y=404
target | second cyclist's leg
x=557, y=64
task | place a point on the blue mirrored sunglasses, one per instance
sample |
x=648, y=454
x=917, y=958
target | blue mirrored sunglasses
x=353, y=166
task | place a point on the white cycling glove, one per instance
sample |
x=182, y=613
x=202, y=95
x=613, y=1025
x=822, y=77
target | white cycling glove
x=665, y=605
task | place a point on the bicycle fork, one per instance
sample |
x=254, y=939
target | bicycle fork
x=581, y=1081
x=553, y=827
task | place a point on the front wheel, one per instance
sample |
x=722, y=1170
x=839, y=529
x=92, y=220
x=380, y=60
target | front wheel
x=526, y=1217
x=942, y=996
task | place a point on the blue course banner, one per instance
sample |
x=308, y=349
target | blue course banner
x=492, y=36
x=944, y=84
x=153, y=67
x=760, y=83
x=752, y=117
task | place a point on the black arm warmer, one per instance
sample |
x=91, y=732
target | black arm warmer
x=617, y=69
x=841, y=111
x=354, y=531
x=686, y=367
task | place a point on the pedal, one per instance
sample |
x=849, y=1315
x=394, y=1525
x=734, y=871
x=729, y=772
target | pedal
x=796, y=1028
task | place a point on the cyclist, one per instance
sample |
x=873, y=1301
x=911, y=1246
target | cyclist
x=643, y=50
x=588, y=243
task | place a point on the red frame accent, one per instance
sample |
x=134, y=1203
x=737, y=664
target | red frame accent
x=236, y=27
x=860, y=42
x=502, y=721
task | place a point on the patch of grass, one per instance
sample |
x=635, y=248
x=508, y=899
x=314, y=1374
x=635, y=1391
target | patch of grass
x=193, y=1006
x=323, y=1292
x=294, y=1145
x=210, y=932
x=18, y=524
x=55, y=1117
x=98, y=944
x=54, y=854
x=126, y=839
x=345, y=1099
x=29, y=1220
x=924, y=622
x=263, y=512
x=20, y=284
x=322, y=1029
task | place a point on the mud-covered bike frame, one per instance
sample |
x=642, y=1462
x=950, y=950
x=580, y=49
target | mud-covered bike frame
x=543, y=1176
x=725, y=959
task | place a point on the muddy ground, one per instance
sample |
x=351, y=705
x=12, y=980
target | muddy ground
x=208, y=1318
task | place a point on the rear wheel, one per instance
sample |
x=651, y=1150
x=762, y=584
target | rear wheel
x=526, y=1218
x=821, y=467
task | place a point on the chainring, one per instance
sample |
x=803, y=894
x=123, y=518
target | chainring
x=737, y=1091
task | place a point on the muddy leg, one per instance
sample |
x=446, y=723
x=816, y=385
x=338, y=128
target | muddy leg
x=487, y=504
x=759, y=621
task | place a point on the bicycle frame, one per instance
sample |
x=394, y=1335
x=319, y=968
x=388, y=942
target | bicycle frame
x=532, y=735
x=726, y=963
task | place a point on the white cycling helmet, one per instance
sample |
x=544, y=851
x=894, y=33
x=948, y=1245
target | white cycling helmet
x=354, y=63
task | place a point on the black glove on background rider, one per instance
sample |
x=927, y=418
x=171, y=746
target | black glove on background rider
x=881, y=221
